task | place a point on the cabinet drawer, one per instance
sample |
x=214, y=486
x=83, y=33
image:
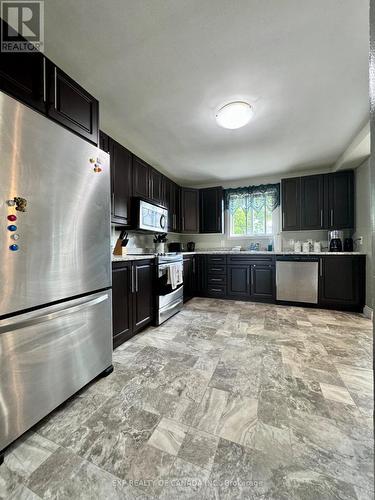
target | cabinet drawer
x=251, y=259
x=216, y=290
x=216, y=269
x=217, y=279
x=216, y=259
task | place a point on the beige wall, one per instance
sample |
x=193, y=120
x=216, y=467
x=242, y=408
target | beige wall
x=363, y=221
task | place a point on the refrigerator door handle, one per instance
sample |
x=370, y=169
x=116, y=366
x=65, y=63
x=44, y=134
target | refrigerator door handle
x=44, y=81
x=55, y=77
x=15, y=323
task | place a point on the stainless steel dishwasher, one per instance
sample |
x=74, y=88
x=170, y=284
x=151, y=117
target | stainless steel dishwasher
x=297, y=278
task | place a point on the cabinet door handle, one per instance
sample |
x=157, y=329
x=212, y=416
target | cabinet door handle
x=136, y=279
x=44, y=81
x=132, y=273
x=219, y=223
x=283, y=224
x=321, y=217
x=216, y=268
x=193, y=266
x=215, y=289
x=321, y=267
x=252, y=275
x=55, y=87
x=183, y=223
x=331, y=217
x=215, y=279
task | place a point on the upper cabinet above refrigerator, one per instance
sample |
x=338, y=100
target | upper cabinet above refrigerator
x=71, y=105
x=23, y=76
x=36, y=81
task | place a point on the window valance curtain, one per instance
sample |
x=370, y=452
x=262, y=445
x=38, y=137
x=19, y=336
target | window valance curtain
x=252, y=197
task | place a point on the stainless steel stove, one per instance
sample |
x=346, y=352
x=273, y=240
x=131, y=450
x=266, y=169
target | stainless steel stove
x=169, y=299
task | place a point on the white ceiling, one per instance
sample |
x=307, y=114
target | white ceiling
x=162, y=68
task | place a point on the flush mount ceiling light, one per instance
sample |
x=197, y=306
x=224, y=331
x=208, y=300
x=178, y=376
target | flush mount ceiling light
x=234, y=115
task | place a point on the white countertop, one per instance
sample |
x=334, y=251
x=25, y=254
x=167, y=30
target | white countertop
x=252, y=252
x=124, y=258
x=131, y=257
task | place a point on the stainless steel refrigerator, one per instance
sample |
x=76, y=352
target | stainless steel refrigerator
x=55, y=274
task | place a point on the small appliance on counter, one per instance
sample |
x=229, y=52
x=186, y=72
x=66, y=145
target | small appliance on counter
x=175, y=247
x=335, y=239
x=317, y=247
x=297, y=247
x=190, y=246
x=348, y=245
x=305, y=247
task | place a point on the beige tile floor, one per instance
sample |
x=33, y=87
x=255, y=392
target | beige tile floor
x=225, y=400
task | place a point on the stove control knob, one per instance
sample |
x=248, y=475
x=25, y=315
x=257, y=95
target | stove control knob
x=12, y=218
x=14, y=248
x=12, y=227
x=15, y=237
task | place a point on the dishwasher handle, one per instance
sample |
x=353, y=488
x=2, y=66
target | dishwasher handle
x=297, y=258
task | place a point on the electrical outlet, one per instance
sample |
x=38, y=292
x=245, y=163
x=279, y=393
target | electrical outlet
x=360, y=240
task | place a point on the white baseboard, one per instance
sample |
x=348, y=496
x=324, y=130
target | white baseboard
x=368, y=312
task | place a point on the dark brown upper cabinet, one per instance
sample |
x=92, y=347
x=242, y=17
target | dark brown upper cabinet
x=339, y=201
x=291, y=204
x=141, y=178
x=211, y=210
x=318, y=202
x=157, y=186
x=172, y=203
x=104, y=141
x=36, y=81
x=121, y=181
x=313, y=215
x=71, y=105
x=189, y=210
x=23, y=76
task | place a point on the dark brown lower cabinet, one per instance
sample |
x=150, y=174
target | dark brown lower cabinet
x=142, y=295
x=239, y=281
x=252, y=282
x=263, y=286
x=342, y=281
x=132, y=298
x=189, y=277
x=122, y=302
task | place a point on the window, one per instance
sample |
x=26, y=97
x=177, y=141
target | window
x=249, y=221
x=250, y=210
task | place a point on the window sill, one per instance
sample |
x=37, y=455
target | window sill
x=260, y=237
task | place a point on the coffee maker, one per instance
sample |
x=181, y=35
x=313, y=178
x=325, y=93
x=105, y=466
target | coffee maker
x=335, y=241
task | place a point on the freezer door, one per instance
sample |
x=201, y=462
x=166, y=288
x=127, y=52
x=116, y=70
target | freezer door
x=64, y=234
x=48, y=355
